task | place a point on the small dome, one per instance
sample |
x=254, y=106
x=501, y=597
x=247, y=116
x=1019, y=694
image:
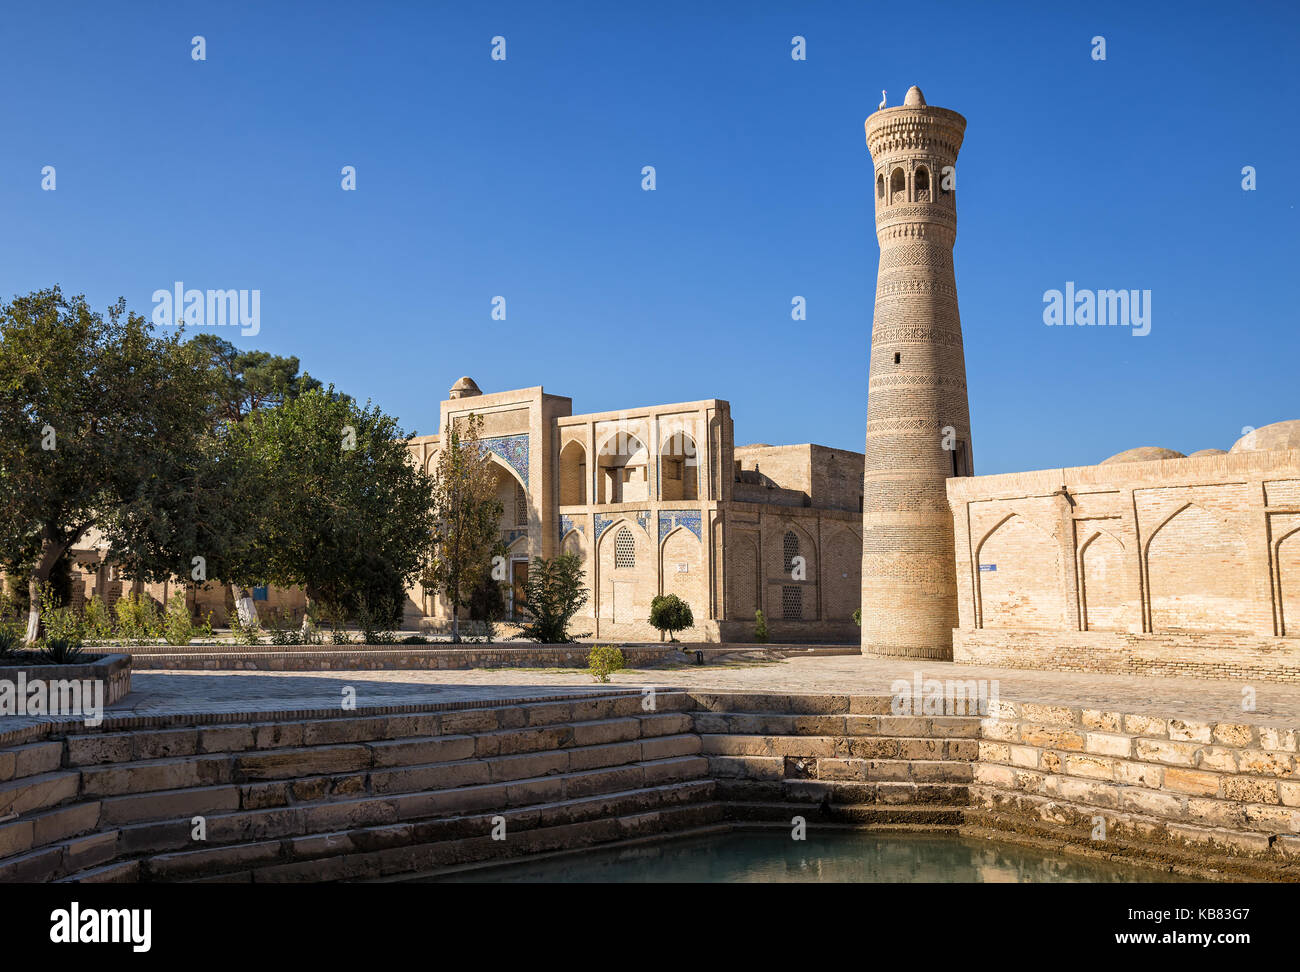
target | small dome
x=1142, y=454
x=1207, y=452
x=1270, y=438
x=465, y=388
x=914, y=97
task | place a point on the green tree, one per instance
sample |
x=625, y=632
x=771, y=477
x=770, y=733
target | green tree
x=340, y=510
x=468, y=517
x=670, y=613
x=101, y=424
x=245, y=382
x=554, y=592
x=487, y=601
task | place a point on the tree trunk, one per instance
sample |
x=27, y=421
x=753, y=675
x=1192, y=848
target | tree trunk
x=51, y=551
x=306, y=614
x=455, y=615
x=245, y=607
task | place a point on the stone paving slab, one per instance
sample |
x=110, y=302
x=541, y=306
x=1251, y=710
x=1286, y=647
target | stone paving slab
x=188, y=692
x=1187, y=697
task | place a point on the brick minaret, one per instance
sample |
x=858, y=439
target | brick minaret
x=918, y=420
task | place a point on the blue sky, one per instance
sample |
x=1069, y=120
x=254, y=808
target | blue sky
x=478, y=178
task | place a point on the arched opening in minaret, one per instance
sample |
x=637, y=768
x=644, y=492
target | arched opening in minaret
x=897, y=186
x=880, y=186
x=922, y=184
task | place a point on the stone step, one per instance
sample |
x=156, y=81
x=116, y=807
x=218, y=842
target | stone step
x=858, y=814
x=33, y=759
x=858, y=747
x=277, y=824
x=38, y=792
x=375, y=809
x=843, y=769
x=96, y=748
x=423, y=858
x=819, y=791
x=780, y=724
x=801, y=705
x=384, y=768
x=620, y=805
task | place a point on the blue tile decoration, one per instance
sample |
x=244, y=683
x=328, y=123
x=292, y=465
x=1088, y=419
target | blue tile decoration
x=567, y=523
x=642, y=518
x=512, y=449
x=510, y=536
x=670, y=519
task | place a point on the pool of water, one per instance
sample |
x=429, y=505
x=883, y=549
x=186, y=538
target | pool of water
x=772, y=857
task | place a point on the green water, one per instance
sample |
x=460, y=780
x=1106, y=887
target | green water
x=762, y=856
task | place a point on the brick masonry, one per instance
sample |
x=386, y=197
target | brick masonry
x=918, y=422
x=312, y=796
x=1183, y=566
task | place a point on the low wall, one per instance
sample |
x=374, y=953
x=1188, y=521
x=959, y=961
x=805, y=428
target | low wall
x=379, y=658
x=1191, y=654
x=1158, y=785
x=113, y=670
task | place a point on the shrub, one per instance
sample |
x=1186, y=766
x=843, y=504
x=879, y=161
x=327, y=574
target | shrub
x=178, y=627
x=760, y=628
x=60, y=623
x=284, y=629
x=11, y=643
x=603, y=660
x=553, y=594
x=245, y=634
x=670, y=613
x=857, y=616
x=376, y=626
x=137, y=618
x=98, y=619
x=487, y=604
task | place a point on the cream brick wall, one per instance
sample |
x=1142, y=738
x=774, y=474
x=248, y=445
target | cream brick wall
x=1201, y=552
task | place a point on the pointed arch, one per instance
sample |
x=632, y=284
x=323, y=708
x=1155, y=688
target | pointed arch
x=1106, y=601
x=921, y=182
x=573, y=474
x=743, y=577
x=1019, y=576
x=622, y=462
x=1287, y=557
x=842, y=570
x=679, y=467
x=898, y=186
x=1198, y=573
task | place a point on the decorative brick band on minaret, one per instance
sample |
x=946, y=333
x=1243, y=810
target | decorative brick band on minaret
x=918, y=419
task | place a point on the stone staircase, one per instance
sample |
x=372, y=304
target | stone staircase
x=836, y=760
x=350, y=797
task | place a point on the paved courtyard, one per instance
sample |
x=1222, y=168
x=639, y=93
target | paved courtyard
x=159, y=692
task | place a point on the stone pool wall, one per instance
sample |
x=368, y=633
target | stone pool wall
x=389, y=792
x=1210, y=788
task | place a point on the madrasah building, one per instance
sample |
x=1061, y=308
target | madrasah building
x=659, y=500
